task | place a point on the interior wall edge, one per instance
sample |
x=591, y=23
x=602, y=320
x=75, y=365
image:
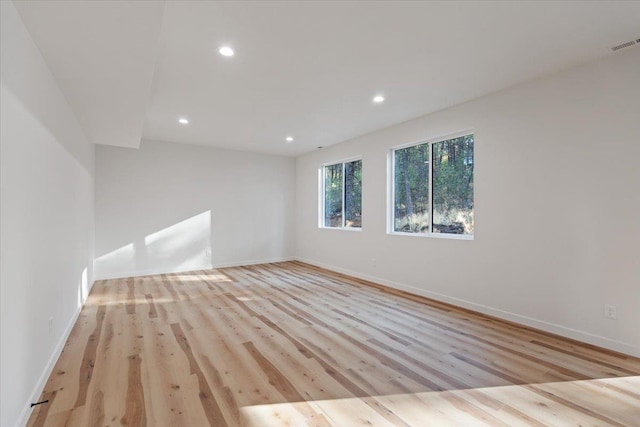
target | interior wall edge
x=563, y=331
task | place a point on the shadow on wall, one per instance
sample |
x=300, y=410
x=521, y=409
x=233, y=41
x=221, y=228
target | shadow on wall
x=182, y=246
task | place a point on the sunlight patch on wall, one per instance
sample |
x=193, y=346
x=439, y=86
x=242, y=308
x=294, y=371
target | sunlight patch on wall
x=186, y=243
x=182, y=246
x=83, y=288
x=121, y=258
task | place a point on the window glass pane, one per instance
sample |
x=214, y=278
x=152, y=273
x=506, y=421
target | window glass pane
x=411, y=192
x=333, y=195
x=353, y=194
x=453, y=186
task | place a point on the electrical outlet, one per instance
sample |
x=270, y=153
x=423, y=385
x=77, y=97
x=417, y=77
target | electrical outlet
x=373, y=262
x=610, y=311
x=50, y=324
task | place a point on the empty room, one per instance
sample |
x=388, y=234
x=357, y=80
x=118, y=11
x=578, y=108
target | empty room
x=320, y=213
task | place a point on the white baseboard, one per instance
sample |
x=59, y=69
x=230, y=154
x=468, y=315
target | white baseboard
x=586, y=337
x=207, y=266
x=51, y=363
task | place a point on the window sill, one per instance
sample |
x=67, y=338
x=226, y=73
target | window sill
x=434, y=235
x=358, y=229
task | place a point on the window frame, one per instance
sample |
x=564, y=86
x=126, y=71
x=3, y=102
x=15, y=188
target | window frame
x=321, y=194
x=391, y=185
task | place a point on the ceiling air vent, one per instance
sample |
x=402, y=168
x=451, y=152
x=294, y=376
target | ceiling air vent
x=627, y=44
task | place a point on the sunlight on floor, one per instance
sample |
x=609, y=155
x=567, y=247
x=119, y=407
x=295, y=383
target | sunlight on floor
x=442, y=408
x=138, y=301
x=244, y=299
x=200, y=277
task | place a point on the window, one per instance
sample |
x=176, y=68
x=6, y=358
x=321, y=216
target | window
x=342, y=195
x=432, y=186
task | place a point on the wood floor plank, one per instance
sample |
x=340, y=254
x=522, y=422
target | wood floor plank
x=209, y=403
x=293, y=344
x=89, y=359
x=135, y=414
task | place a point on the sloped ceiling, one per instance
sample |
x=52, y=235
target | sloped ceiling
x=303, y=69
x=103, y=55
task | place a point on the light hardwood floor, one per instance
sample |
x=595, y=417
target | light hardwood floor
x=289, y=344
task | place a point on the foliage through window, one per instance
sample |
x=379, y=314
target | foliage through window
x=342, y=195
x=433, y=187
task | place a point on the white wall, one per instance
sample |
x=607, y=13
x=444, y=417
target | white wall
x=557, y=207
x=46, y=222
x=175, y=207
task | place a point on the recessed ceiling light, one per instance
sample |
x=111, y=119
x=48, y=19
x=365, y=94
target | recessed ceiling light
x=378, y=99
x=226, y=51
x=289, y=139
x=183, y=121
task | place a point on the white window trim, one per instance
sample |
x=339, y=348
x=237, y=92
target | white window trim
x=321, y=201
x=433, y=235
x=391, y=187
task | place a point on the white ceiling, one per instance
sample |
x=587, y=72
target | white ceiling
x=305, y=69
x=103, y=56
